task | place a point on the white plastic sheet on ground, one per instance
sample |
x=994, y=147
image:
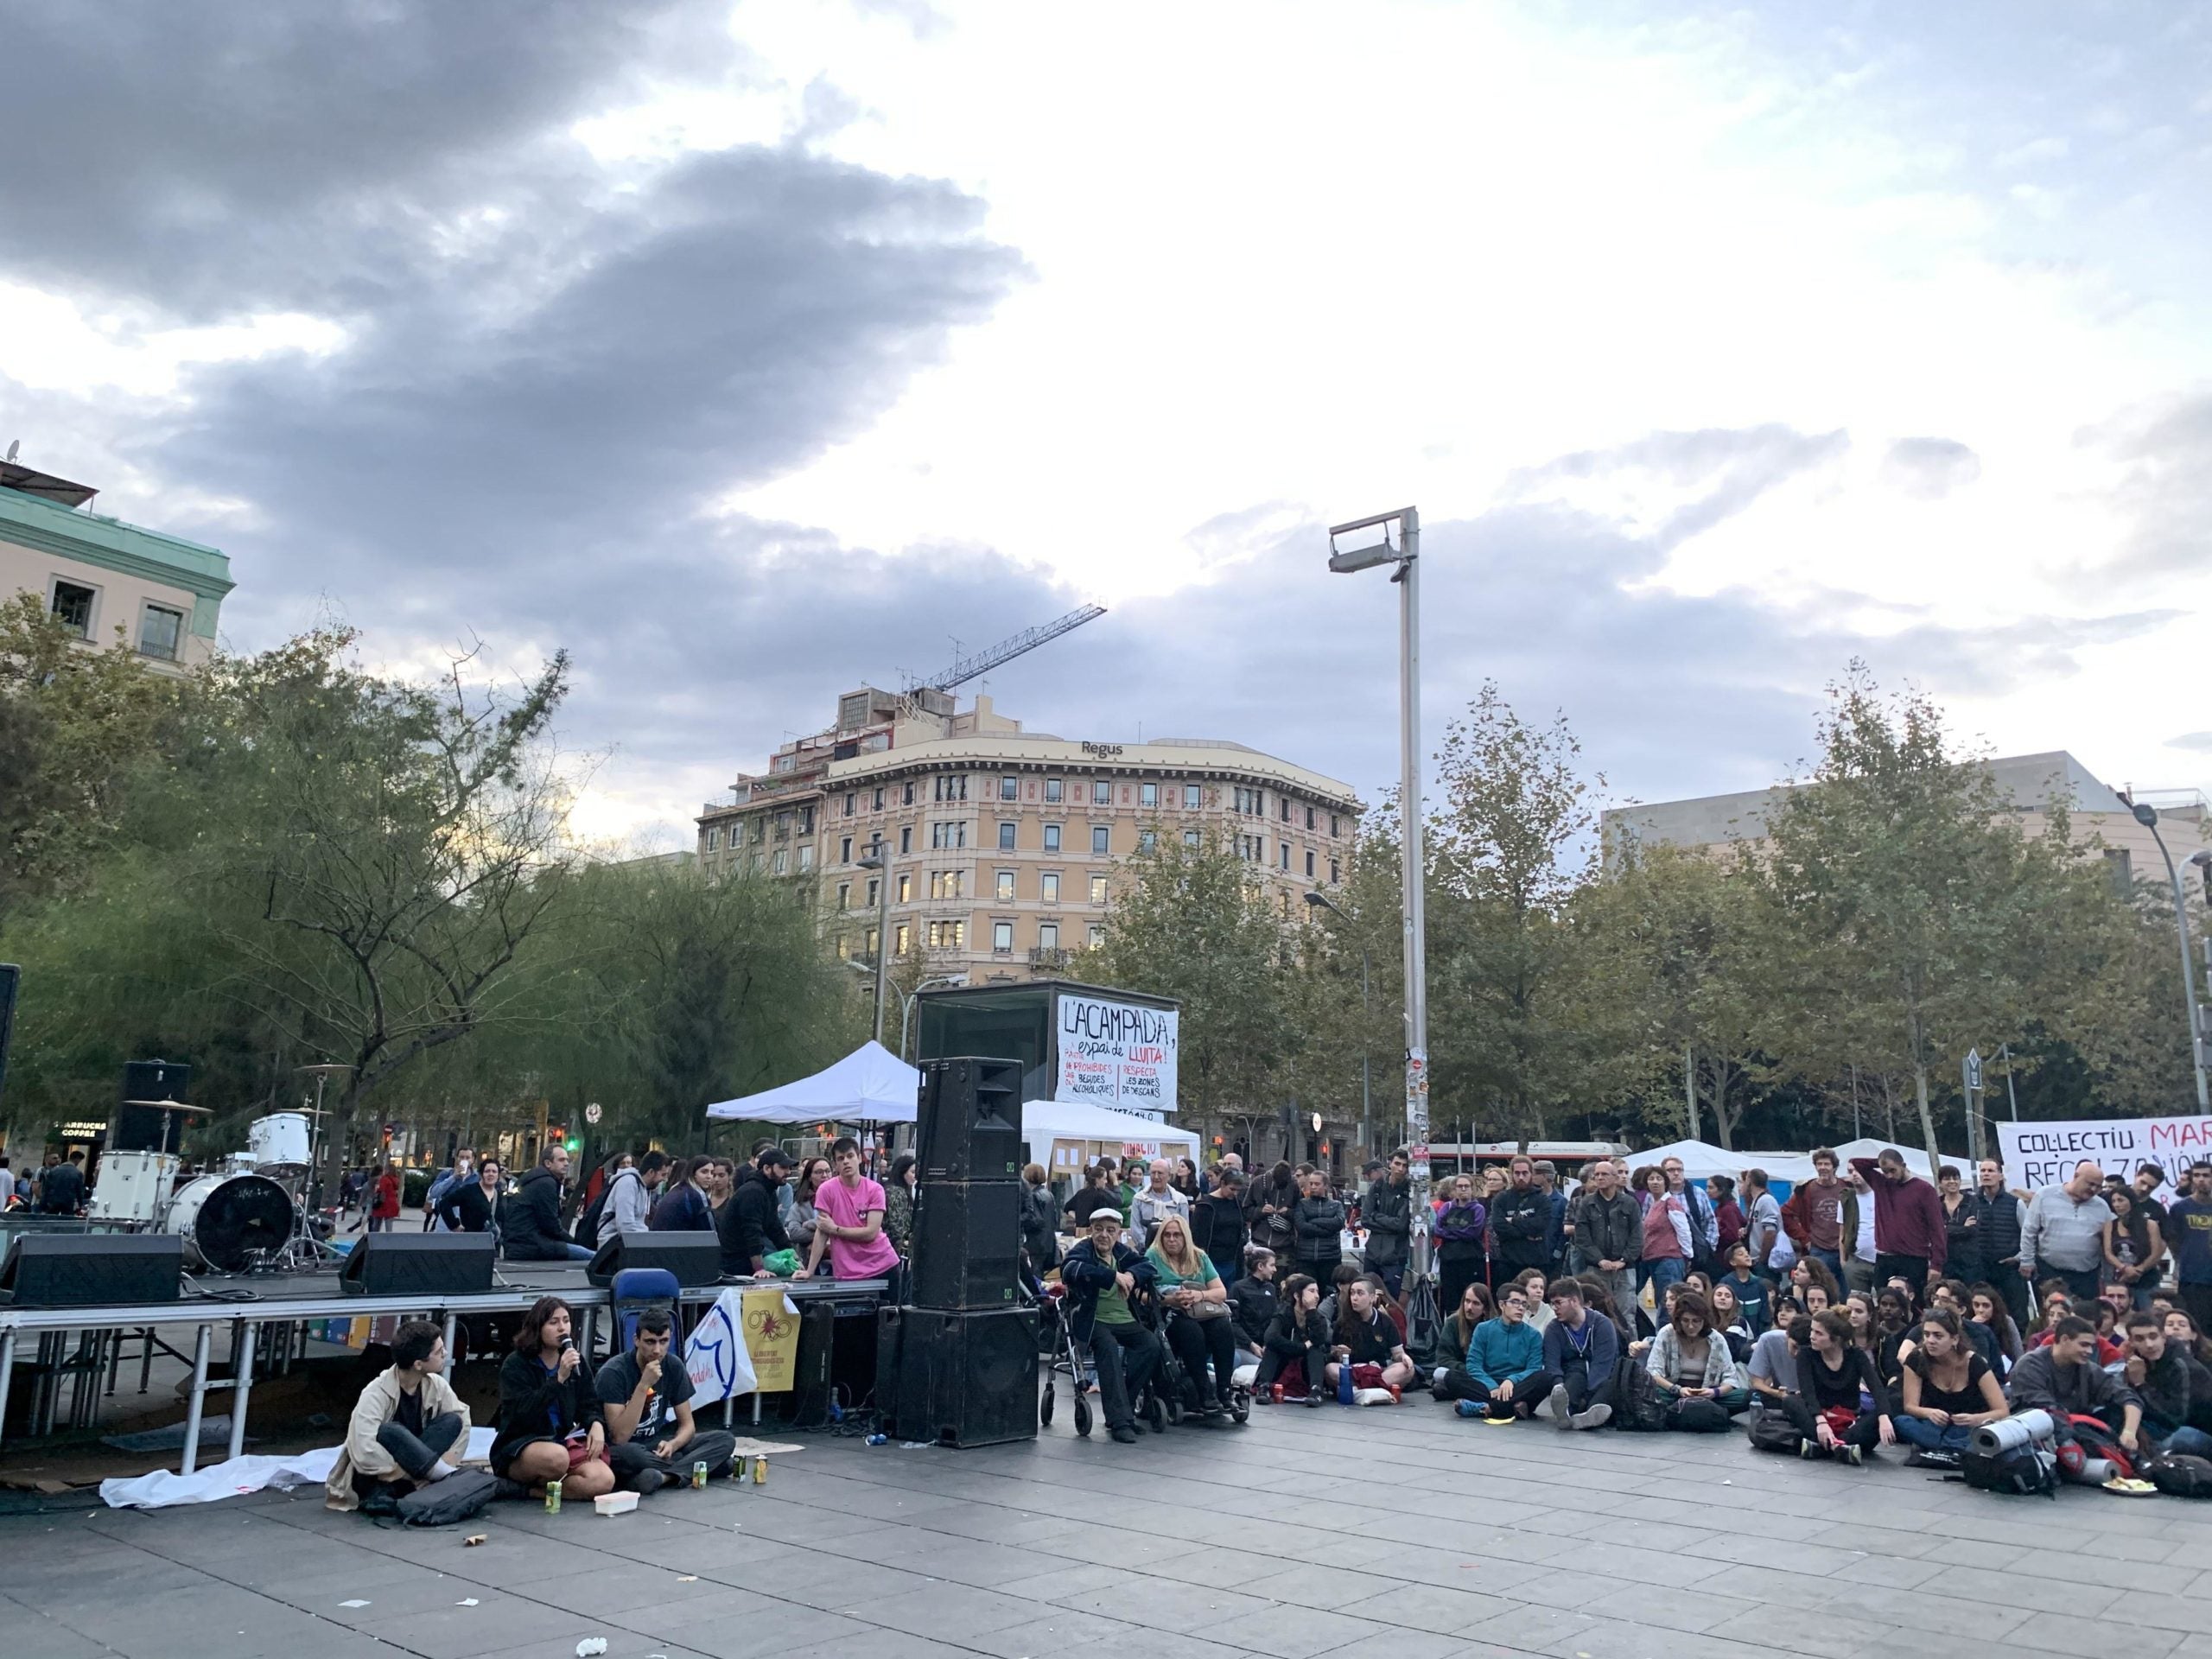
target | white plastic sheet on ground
x=238, y=1476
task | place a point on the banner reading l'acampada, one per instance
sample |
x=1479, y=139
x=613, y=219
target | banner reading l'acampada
x=1116, y=1054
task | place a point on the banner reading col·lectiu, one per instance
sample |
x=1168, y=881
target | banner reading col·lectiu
x=2044, y=1154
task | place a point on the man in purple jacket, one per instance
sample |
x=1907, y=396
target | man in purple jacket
x=1910, y=1237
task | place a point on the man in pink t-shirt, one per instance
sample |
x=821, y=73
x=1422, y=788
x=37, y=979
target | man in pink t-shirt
x=849, y=1220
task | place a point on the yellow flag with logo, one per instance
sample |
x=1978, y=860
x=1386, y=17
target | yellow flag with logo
x=771, y=1337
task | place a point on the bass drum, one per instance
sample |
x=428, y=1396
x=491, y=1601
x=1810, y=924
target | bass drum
x=229, y=1222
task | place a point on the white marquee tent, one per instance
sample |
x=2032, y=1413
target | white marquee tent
x=869, y=1085
x=1044, y=1121
x=1701, y=1161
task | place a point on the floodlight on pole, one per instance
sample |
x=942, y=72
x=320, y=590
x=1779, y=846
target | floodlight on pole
x=1422, y=1314
x=2148, y=815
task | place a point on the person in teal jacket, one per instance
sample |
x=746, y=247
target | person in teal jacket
x=1506, y=1359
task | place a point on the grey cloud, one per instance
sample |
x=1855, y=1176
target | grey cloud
x=2200, y=742
x=2165, y=490
x=1928, y=469
x=1734, y=465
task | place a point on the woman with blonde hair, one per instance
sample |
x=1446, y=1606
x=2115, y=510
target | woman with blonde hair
x=1199, y=1328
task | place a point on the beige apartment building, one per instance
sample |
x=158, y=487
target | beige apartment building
x=113, y=584
x=2034, y=782
x=1003, y=847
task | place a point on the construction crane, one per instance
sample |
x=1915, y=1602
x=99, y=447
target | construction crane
x=969, y=668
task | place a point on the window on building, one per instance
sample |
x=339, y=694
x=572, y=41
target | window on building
x=1309, y=817
x=1148, y=794
x=1336, y=873
x=1009, y=789
x=844, y=850
x=1191, y=838
x=1097, y=889
x=906, y=793
x=160, y=631
x=948, y=936
x=1286, y=811
x=905, y=893
x=805, y=856
x=1193, y=797
x=1284, y=857
x=868, y=941
x=1005, y=837
x=806, y=820
x=1147, y=841
x=1309, y=864
x=783, y=826
x=1333, y=823
x=759, y=830
x=948, y=884
x=851, y=795
x=1048, y=886
x=953, y=833
x=1048, y=936
x=951, y=787
x=874, y=891
x=1005, y=887
x=1001, y=938
x=1052, y=789
x=903, y=939
x=1098, y=935
x=73, y=606
x=844, y=895
x=782, y=866
x=1100, y=837
x=713, y=836
x=1052, y=838
x=844, y=948
x=905, y=837
x=878, y=807
x=1102, y=792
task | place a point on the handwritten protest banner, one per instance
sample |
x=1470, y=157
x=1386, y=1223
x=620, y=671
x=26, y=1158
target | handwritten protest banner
x=1118, y=1054
x=2044, y=1154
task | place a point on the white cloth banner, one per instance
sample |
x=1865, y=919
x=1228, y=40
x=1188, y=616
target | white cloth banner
x=719, y=1365
x=1118, y=1054
x=234, y=1478
x=2044, y=1154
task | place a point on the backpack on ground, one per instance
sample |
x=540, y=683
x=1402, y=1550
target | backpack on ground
x=459, y=1496
x=2016, y=1470
x=1642, y=1408
x=1701, y=1417
x=2096, y=1439
x=1772, y=1431
x=2179, y=1474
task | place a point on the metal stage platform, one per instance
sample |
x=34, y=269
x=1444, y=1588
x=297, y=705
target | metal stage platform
x=86, y=1342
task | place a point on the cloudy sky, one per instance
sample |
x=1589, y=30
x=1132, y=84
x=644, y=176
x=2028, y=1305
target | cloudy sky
x=754, y=353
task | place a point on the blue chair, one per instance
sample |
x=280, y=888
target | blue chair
x=636, y=1289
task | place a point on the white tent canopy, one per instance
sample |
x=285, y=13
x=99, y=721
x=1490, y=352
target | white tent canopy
x=1916, y=1158
x=1044, y=1121
x=869, y=1085
x=1701, y=1161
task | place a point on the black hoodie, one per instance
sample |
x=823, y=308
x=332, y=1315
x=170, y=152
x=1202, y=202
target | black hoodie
x=750, y=1228
x=530, y=1222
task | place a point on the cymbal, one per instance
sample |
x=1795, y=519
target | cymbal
x=171, y=1106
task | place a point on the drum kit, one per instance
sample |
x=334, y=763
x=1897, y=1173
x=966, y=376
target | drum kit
x=248, y=1214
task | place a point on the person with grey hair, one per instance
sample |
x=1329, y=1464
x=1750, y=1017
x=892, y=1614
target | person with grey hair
x=1153, y=1205
x=2062, y=1232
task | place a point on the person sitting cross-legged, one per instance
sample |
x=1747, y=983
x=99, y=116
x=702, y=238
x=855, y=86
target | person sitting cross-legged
x=645, y=1394
x=1506, y=1362
x=551, y=1426
x=1100, y=1273
x=406, y=1422
x=2163, y=1379
x=1365, y=1335
x=1949, y=1392
x=1584, y=1349
x=2063, y=1378
x=1299, y=1336
x=1693, y=1368
x=1835, y=1377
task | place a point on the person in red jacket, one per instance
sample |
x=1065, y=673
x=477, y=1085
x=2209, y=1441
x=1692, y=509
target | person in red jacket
x=384, y=1208
x=1911, y=1240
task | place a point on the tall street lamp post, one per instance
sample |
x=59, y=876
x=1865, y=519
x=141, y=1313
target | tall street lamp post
x=1422, y=1316
x=1321, y=901
x=2148, y=815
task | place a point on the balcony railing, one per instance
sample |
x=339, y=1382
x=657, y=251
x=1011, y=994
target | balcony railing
x=1047, y=956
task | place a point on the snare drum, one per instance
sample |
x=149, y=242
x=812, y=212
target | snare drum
x=279, y=1144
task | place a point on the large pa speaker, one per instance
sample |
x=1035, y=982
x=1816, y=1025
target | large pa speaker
x=967, y=1379
x=408, y=1264
x=695, y=1258
x=967, y=1244
x=139, y=1127
x=967, y=1126
x=93, y=1269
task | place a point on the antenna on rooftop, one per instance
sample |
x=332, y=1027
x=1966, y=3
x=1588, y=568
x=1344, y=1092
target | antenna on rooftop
x=15, y=445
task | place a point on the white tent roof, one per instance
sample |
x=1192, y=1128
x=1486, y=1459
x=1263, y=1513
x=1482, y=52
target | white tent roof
x=869, y=1085
x=1700, y=1161
x=1916, y=1158
x=1044, y=1121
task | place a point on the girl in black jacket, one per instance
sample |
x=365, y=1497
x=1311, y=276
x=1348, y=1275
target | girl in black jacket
x=550, y=1426
x=1299, y=1336
x=1832, y=1374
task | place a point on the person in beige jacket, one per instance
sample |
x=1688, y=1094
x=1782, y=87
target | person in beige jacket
x=405, y=1423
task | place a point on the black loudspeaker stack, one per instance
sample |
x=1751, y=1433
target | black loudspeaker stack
x=695, y=1258
x=93, y=1269
x=405, y=1264
x=959, y=1365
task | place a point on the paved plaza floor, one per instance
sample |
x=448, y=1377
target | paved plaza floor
x=1405, y=1533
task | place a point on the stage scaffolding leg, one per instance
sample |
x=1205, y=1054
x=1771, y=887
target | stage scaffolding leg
x=199, y=1398
x=241, y=1388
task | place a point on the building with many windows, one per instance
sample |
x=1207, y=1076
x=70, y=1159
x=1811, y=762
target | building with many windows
x=1003, y=847
x=112, y=583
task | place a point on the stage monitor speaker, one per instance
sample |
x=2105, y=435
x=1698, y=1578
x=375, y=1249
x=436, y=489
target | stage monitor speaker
x=408, y=1264
x=93, y=1269
x=967, y=1244
x=968, y=1379
x=695, y=1258
x=806, y=1405
x=967, y=1126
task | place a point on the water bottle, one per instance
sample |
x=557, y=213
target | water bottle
x=878, y=1439
x=1344, y=1382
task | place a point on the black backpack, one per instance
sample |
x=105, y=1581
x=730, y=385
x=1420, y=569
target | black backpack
x=2178, y=1474
x=2017, y=1471
x=459, y=1496
x=586, y=1227
x=1772, y=1431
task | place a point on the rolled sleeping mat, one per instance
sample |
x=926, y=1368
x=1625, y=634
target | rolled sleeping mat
x=2029, y=1428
